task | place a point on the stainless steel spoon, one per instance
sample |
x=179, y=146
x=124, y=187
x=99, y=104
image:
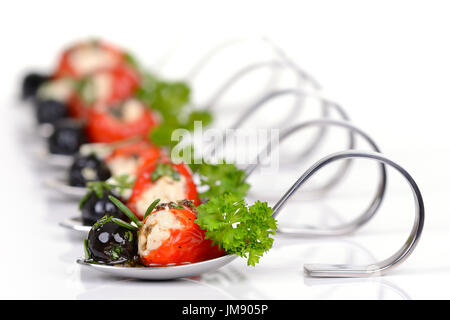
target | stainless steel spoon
x=317, y=270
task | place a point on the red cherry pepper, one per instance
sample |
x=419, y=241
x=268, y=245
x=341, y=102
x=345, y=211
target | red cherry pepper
x=124, y=82
x=66, y=68
x=145, y=151
x=144, y=182
x=103, y=126
x=184, y=245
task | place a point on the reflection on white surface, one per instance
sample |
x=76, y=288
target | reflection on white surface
x=382, y=289
x=279, y=276
x=282, y=276
x=113, y=288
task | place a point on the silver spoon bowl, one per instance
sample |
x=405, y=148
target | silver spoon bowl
x=76, y=224
x=161, y=273
x=60, y=185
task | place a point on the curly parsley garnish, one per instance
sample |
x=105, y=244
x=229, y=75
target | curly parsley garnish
x=221, y=179
x=236, y=227
x=171, y=101
x=168, y=98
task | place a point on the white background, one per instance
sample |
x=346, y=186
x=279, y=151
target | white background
x=386, y=62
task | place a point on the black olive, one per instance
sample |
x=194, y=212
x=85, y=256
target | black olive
x=94, y=208
x=86, y=169
x=67, y=137
x=50, y=111
x=31, y=84
x=111, y=244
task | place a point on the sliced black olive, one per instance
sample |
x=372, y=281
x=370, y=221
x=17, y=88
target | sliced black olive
x=94, y=208
x=88, y=168
x=50, y=111
x=111, y=244
x=31, y=84
x=67, y=137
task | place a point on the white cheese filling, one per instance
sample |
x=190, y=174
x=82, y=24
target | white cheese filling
x=124, y=165
x=166, y=189
x=59, y=90
x=132, y=110
x=102, y=86
x=156, y=230
x=90, y=58
x=101, y=150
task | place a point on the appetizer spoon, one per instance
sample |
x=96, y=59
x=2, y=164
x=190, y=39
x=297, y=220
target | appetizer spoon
x=65, y=161
x=76, y=224
x=379, y=268
x=311, y=270
x=60, y=183
x=54, y=160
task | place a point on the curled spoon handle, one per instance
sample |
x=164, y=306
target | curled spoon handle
x=367, y=214
x=379, y=268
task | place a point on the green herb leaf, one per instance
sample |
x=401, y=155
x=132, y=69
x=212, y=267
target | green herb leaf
x=166, y=97
x=165, y=169
x=97, y=187
x=222, y=178
x=129, y=236
x=131, y=60
x=124, y=224
x=87, y=253
x=86, y=90
x=122, y=183
x=101, y=221
x=150, y=209
x=170, y=100
x=237, y=228
x=125, y=210
x=83, y=200
x=203, y=116
x=115, y=252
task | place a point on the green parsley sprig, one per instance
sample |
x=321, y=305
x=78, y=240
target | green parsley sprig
x=166, y=97
x=236, y=227
x=171, y=101
x=222, y=178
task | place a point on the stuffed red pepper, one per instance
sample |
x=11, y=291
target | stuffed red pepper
x=105, y=86
x=162, y=180
x=169, y=236
x=87, y=57
x=129, y=158
x=123, y=120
